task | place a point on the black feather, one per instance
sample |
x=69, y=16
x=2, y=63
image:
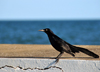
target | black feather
x=86, y=51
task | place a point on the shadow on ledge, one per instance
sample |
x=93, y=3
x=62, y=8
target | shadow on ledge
x=84, y=58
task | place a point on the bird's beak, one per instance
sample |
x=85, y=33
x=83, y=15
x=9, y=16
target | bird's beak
x=41, y=30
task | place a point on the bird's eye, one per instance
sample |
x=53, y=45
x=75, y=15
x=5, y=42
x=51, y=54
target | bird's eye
x=46, y=29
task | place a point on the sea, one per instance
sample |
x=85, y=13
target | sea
x=75, y=32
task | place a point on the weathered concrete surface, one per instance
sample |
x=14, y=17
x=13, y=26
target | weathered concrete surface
x=37, y=58
x=48, y=65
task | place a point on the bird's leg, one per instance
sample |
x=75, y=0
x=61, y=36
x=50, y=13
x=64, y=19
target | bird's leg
x=59, y=56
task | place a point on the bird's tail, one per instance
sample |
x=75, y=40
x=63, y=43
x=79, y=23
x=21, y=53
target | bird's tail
x=86, y=51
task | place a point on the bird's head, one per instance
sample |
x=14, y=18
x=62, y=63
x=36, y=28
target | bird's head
x=46, y=30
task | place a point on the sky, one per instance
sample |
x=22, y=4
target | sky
x=49, y=9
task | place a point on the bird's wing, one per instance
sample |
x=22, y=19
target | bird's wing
x=63, y=44
x=66, y=47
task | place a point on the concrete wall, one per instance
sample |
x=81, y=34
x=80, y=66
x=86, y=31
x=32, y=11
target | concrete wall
x=48, y=65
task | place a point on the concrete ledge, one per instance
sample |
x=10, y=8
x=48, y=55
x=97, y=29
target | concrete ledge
x=48, y=65
x=37, y=58
x=41, y=51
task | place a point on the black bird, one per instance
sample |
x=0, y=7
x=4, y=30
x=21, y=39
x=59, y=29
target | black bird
x=62, y=46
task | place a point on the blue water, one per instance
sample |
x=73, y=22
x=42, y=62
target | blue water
x=26, y=32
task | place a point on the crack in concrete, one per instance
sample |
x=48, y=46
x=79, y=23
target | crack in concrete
x=96, y=66
x=31, y=68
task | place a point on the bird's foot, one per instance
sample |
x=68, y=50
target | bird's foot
x=56, y=58
x=56, y=61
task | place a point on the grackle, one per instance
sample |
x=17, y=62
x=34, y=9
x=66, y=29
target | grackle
x=62, y=46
